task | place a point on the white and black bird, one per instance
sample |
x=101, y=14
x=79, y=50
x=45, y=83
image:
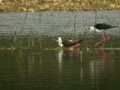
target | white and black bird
x=100, y=28
x=68, y=43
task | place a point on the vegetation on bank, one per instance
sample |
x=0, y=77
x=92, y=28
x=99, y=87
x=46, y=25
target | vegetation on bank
x=57, y=5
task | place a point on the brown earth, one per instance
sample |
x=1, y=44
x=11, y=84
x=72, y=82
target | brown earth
x=57, y=5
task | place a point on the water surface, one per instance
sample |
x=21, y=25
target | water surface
x=39, y=66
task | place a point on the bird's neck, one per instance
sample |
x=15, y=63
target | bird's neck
x=60, y=43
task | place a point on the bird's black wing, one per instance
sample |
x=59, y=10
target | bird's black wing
x=69, y=44
x=103, y=26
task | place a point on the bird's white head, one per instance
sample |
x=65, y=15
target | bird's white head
x=92, y=28
x=60, y=42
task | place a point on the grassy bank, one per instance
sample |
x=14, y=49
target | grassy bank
x=57, y=5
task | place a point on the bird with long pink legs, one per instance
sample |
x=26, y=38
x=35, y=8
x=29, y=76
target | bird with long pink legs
x=100, y=28
x=104, y=39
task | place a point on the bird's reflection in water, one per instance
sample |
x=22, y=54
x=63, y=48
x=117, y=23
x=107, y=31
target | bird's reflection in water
x=60, y=58
x=102, y=53
x=69, y=61
x=71, y=56
x=74, y=52
x=103, y=56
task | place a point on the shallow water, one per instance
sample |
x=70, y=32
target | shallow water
x=39, y=66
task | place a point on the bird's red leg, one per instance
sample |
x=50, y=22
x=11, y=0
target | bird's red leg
x=107, y=38
x=102, y=34
x=104, y=39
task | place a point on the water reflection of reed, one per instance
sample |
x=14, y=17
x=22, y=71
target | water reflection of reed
x=34, y=62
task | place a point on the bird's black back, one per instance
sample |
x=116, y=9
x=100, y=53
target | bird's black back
x=72, y=44
x=103, y=26
x=80, y=41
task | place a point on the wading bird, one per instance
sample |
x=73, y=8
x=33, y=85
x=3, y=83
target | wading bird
x=100, y=28
x=69, y=43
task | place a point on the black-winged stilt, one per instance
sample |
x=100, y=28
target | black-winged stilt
x=69, y=44
x=99, y=28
